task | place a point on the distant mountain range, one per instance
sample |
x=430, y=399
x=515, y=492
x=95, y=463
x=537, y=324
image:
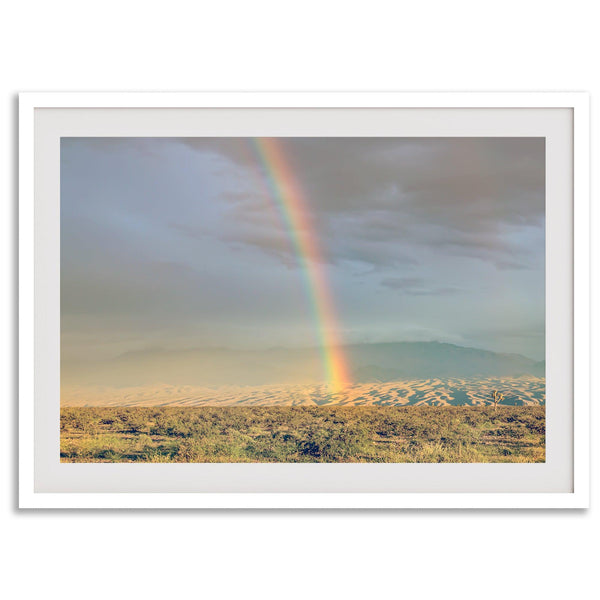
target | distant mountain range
x=368, y=363
x=388, y=362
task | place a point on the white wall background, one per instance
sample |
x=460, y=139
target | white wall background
x=274, y=45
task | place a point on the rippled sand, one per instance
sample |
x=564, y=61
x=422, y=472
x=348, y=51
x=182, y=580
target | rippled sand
x=526, y=390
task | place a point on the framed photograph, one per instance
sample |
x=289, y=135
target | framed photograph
x=304, y=300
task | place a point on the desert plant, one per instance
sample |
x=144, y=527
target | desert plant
x=304, y=434
x=497, y=397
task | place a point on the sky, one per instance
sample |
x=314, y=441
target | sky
x=176, y=244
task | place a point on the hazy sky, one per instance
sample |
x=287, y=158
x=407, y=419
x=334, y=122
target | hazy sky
x=176, y=243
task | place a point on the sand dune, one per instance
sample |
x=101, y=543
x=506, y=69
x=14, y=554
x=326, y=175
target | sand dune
x=525, y=390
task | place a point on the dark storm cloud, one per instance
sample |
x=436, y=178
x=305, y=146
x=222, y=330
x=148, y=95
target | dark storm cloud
x=459, y=194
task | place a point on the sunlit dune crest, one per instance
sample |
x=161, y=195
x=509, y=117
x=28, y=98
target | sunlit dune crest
x=452, y=391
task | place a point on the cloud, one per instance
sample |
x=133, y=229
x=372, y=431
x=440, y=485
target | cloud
x=416, y=286
x=465, y=195
x=506, y=265
x=180, y=242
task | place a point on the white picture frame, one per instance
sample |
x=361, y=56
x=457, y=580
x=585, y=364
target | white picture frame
x=39, y=363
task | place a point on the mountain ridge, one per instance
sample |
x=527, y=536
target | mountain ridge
x=384, y=361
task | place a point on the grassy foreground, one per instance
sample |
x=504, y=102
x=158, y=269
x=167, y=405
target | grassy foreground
x=421, y=434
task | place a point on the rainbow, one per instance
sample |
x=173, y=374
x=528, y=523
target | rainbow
x=291, y=203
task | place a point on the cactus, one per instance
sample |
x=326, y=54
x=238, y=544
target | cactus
x=497, y=397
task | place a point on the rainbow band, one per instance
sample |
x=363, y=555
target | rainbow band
x=293, y=208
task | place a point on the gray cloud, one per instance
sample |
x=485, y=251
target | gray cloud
x=416, y=286
x=463, y=194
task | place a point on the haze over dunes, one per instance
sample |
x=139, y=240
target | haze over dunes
x=385, y=374
x=369, y=363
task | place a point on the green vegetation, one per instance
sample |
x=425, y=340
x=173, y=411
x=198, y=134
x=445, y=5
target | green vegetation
x=421, y=434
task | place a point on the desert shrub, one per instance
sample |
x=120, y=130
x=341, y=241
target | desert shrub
x=190, y=451
x=303, y=434
x=335, y=443
x=108, y=454
x=81, y=420
x=537, y=427
x=171, y=425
